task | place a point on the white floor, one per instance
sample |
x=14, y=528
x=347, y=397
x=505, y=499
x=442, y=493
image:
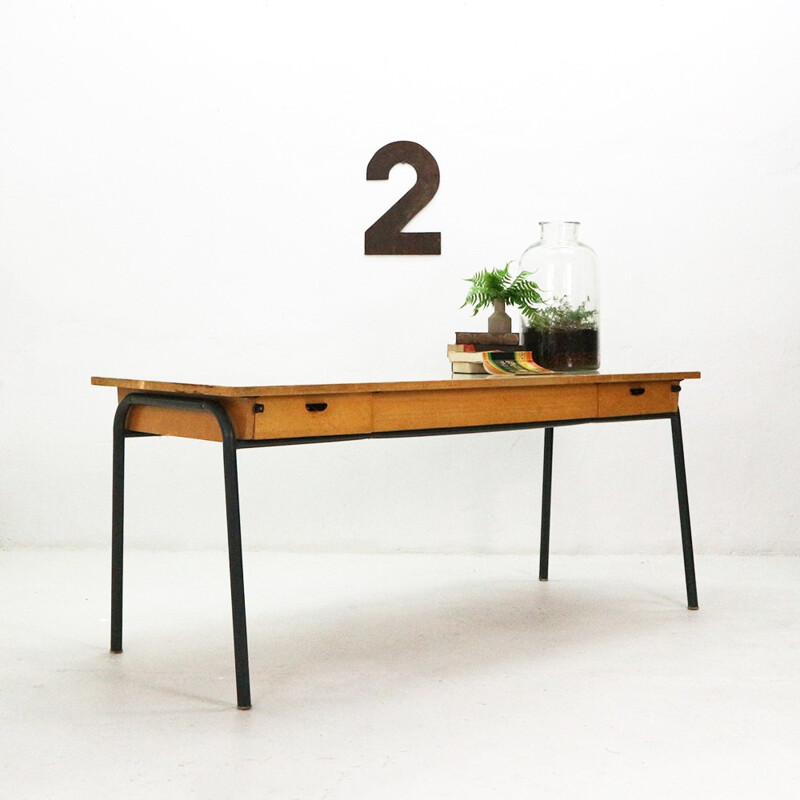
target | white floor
x=401, y=677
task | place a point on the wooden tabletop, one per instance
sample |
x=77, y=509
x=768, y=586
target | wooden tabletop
x=466, y=383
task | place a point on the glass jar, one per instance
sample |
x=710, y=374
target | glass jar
x=563, y=334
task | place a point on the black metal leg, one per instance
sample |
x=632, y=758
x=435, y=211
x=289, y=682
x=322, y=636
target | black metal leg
x=117, y=520
x=241, y=658
x=683, y=508
x=547, y=481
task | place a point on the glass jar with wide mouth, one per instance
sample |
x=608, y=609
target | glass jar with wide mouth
x=562, y=333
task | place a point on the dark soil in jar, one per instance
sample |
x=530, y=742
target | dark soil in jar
x=565, y=349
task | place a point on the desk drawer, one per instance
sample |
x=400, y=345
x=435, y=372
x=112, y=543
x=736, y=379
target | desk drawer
x=317, y=415
x=401, y=411
x=633, y=399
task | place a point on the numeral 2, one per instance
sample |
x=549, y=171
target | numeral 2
x=386, y=236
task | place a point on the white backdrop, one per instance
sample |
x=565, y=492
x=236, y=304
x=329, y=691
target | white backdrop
x=183, y=196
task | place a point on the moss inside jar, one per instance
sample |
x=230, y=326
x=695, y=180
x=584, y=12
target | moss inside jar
x=563, y=337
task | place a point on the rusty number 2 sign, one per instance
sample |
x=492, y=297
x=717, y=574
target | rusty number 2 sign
x=386, y=235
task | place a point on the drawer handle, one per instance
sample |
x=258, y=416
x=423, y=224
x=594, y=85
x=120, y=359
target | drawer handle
x=637, y=391
x=316, y=406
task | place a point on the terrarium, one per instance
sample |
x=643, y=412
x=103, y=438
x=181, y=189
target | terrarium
x=562, y=332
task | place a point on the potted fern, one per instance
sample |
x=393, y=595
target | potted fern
x=497, y=288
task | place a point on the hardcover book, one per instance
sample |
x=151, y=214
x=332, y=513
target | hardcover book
x=481, y=337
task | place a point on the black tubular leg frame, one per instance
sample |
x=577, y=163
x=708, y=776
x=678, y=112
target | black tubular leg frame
x=683, y=504
x=229, y=443
x=229, y=447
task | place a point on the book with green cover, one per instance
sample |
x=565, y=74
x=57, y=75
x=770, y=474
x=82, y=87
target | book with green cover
x=494, y=362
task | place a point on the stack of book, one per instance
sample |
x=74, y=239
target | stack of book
x=491, y=353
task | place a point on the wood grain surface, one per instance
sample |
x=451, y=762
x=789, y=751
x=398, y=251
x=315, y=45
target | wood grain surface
x=286, y=412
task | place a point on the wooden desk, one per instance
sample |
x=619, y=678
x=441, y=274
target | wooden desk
x=268, y=416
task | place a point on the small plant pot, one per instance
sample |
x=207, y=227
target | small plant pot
x=499, y=321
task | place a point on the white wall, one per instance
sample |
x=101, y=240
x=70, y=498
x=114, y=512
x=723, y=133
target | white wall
x=183, y=197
